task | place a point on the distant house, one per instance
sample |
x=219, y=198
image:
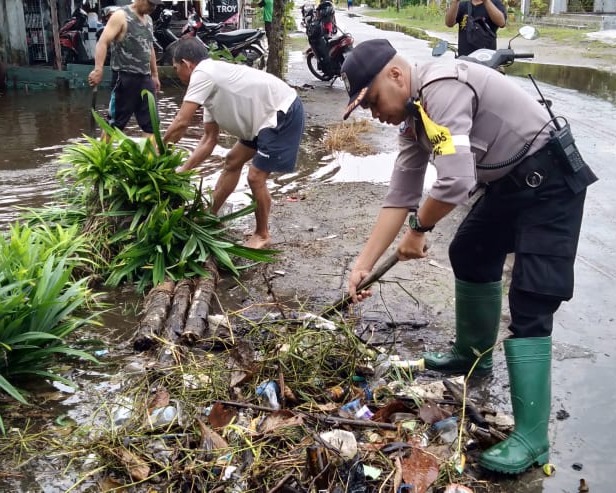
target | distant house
x=26, y=30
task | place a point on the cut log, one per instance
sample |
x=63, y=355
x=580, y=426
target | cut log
x=196, y=321
x=174, y=326
x=155, y=310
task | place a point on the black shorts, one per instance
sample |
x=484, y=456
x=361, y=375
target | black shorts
x=277, y=147
x=126, y=100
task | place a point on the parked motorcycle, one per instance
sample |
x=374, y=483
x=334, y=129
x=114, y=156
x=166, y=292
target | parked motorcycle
x=496, y=59
x=324, y=36
x=163, y=37
x=246, y=42
x=72, y=45
x=491, y=58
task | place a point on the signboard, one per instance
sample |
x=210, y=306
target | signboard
x=223, y=10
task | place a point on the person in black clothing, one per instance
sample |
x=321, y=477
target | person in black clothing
x=491, y=13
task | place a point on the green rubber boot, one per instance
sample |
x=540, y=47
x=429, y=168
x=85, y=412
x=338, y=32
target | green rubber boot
x=528, y=362
x=478, y=313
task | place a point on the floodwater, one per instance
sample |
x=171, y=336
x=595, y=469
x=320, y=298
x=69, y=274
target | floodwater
x=35, y=128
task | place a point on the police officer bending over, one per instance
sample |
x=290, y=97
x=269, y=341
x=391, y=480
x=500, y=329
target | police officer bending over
x=532, y=206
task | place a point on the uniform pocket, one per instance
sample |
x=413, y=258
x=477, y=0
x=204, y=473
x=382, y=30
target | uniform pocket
x=544, y=264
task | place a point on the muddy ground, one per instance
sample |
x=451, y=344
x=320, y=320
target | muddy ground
x=320, y=226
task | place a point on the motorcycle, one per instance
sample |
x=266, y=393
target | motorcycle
x=495, y=59
x=72, y=43
x=163, y=37
x=308, y=13
x=323, y=34
x=246, y=42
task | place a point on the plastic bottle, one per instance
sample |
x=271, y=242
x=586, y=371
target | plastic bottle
x=446, y=429
x=408, y=364
x=268, y=391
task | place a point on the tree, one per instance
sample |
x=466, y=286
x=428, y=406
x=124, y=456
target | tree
x=276, y=45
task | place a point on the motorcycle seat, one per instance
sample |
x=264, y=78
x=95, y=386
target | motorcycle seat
x=236, y=36
x=212, y=26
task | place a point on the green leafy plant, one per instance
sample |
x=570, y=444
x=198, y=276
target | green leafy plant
x=147, y=221
x=40, y=302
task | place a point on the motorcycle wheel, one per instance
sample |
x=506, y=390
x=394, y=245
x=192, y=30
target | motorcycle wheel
x=254, y=58
x=313, y=66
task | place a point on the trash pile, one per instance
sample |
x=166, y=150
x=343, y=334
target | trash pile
x=287, y=404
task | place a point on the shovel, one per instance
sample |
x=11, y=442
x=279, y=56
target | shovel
x=368, y=281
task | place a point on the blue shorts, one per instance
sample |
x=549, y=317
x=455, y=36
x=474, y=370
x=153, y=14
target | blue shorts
x=277, y=147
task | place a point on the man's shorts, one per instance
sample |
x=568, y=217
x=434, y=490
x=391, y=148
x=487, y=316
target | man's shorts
x=277, y=147
x=126, y=100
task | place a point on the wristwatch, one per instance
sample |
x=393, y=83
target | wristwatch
x=416, y=225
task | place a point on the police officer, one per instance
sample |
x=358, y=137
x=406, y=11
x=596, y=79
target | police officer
x=480, y=128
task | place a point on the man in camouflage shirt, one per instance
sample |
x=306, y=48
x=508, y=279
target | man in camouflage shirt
x=133, y=63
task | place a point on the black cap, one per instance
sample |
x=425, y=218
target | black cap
x=360, y=68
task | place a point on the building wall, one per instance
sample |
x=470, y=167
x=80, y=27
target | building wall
x=604, y=6
x=13, y=46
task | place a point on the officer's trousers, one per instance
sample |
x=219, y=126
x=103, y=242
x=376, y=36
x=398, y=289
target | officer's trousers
x=535, y=213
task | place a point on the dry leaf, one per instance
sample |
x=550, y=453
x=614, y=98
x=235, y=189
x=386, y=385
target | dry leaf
x=159, y=399
x=210, y=440
x=420, y=469
x=136, y=466
x=280, y=419
x=110, y=484
x=221, y=415
x=430, y=413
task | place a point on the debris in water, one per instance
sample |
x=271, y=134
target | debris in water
x=549, y=469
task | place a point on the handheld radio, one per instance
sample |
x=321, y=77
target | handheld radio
x=561, y=140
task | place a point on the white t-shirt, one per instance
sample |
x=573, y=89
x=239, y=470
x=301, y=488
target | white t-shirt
x=240, y=99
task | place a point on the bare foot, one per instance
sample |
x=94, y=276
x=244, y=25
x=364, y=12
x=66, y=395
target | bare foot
x=258, y=241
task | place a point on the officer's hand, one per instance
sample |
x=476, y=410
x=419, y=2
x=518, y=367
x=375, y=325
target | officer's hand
x=356, y=277
x=413, y=245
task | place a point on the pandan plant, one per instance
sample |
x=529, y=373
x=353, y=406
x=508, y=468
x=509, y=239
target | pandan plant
x=41, y=303
x=147, y=222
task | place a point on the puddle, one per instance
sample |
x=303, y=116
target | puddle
x=586, y=80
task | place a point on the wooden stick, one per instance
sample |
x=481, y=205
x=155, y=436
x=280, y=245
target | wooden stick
x=374, y=276
x=155, y=310
x=456, y=392
x=196, y=320
x=174, y=325
x=361, y=423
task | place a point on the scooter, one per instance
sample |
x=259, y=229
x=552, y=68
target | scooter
x=72, y=46
x=492, y=58
x=339, y=47
x=496, y=59
x=324, y=36
x=163, y=37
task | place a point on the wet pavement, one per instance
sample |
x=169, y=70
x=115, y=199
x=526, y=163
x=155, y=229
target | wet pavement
x=35, y=127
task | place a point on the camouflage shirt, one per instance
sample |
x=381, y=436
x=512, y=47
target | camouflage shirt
x=132, y=52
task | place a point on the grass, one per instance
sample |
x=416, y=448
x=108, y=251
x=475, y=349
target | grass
x=345, y=137
x=433, y=19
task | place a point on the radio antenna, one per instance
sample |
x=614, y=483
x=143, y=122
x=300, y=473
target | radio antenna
x=545, y=103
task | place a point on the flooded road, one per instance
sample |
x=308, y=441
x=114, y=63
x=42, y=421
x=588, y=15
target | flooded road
x=35, y=127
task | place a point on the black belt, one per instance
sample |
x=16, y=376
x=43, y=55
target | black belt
x=532, y=172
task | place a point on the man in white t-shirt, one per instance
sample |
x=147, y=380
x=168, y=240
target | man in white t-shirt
x=262, y=111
